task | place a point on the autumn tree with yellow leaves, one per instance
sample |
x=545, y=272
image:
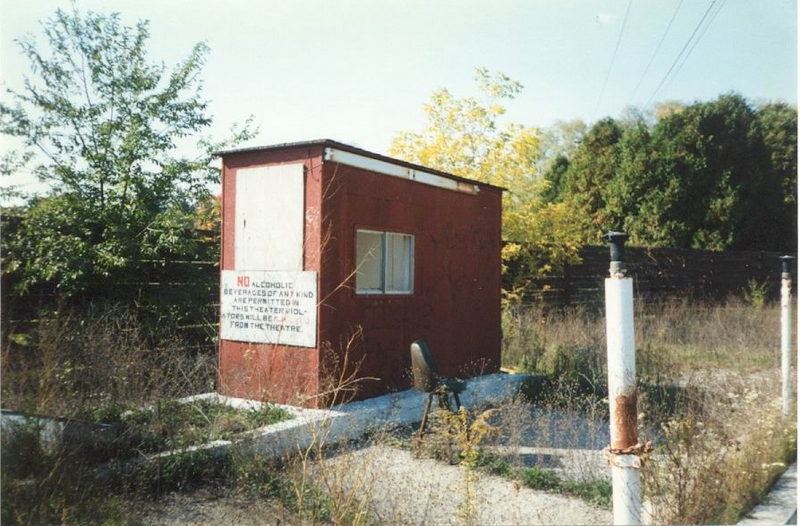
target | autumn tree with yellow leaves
x=464, y=136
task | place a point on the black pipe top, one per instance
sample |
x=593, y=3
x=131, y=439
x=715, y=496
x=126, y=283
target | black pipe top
x=616, y=244
x=786, y=264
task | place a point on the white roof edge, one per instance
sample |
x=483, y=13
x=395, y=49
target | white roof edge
x=396, y=170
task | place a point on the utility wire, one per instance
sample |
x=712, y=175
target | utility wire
x=698, y=39
x=613, y=58
x=685, y=46
x=658, y=48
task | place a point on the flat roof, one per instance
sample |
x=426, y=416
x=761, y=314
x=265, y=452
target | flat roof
x=329, y=143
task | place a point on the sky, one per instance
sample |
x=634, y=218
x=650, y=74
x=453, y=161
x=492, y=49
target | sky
x=360, y=71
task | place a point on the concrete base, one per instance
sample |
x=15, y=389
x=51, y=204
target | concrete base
x=340, y=423
x=355, y=419
x=54, y=431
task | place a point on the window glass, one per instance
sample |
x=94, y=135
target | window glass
x=384, y=262
x=399, y=260
x=369, y=261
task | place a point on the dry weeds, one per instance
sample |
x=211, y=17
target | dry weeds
x=708, y=377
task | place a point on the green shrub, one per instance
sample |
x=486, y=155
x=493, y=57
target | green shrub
x=493, y=464
x=180, y=471
x=538, y=478
x=597, y=492
x=172, y=424
x=755, y=293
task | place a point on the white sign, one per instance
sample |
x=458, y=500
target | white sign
x=269, y=306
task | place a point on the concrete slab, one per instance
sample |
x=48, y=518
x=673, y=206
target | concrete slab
x=780, y=505
x=355, y=419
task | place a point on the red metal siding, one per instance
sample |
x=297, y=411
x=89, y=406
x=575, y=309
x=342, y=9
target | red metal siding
x=455, y=305
x=266, y=371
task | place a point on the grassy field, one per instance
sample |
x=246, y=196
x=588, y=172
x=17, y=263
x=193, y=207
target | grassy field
x=709, y=388
x=671, y=338
x=708, y=382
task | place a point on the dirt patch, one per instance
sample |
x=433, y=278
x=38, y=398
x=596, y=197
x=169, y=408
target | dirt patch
x=205, y=507
x=407, y=490
x=401, y=489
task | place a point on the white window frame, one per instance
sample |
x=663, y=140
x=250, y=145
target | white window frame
x=385, y=235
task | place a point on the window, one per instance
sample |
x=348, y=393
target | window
x=384, y=262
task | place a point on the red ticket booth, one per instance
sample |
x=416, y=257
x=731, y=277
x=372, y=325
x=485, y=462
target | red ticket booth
x=334, y=259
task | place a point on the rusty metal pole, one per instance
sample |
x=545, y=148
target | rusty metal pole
x=624, y=450
x=786, y=334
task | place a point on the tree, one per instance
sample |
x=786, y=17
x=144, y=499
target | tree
x=625, y=191
x=109, y=130
x=561, y=140
x=463, y=136
x=710, y=184
x=555, y=175
x=778, y=123
x=713, y=175
x=558, y=145
x=588, y=176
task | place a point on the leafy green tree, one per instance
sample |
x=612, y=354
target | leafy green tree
x=715, y=175
x=464, y=136
x=708, y=185
x=555, y=175
x=109, y=130
x=626, y=190
x=586, y=181
x=778, y=123
x=558, y=144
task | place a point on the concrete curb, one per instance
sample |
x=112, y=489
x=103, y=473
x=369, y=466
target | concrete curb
x=352, y=420
x=780, y=505
x=341, y=423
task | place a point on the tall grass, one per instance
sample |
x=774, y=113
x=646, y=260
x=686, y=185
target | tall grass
x=106, y=366
x=708, y=385
x=671, y=337
x=90, y=366
x=713, y=466
x=80, y=364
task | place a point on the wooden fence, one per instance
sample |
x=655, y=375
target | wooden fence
x=663, y=273
x=184, y=295
x=177, y=298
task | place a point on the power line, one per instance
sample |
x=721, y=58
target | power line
x=658, y=48
x=613, y=58
x=683, y=49
x=698, y=39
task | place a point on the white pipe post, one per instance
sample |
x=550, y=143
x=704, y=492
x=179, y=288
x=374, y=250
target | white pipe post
x=624, y=448
x=786, y=334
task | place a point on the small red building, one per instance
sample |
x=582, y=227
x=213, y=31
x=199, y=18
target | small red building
x=334, y=259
